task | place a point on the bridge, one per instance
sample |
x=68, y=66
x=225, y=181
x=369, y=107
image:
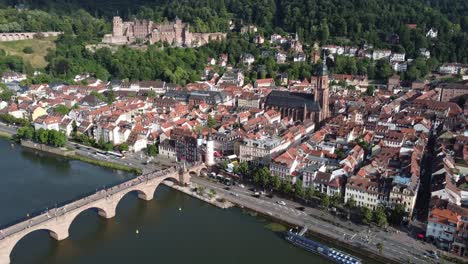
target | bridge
x=13, y=36
x=57, y=221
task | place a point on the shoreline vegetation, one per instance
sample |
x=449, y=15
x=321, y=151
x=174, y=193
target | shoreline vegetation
x=5, y=135
x=105, y=164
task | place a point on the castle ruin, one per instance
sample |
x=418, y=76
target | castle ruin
x=176, y=33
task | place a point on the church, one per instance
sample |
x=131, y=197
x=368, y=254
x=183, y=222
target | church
x=303, y=106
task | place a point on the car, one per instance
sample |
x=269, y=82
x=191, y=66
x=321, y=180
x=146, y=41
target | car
x=227, y=188
x=300, y=208
x=433, y=254
x=281, y=203
x=242, y=186
x=235, y=194
x=256, y=194
x=270, y=195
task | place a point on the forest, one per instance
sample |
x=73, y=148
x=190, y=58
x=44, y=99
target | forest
x=345, y=22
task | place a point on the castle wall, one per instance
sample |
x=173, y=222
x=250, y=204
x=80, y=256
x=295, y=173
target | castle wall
x=177, y=33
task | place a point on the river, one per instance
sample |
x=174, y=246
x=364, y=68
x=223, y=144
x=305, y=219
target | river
x=172, y=228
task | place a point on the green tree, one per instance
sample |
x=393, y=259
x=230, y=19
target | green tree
x=397, y=214
x=366, y=215
x=383, y=70
x=379, y=247
x=211, y=122
x=325, y=201
x=286, y=187
x=123, y=147
x=370, y=90
x=152, y=150
x=351, y=203
x=224, y=164
x=276, y=183
x=299, y=189
x=243, y=168
x=151, y=94
x=61, y=109
x=380, y=218
x=25, y=132
x=335, y=199
x=310, y=193
x=41, y=136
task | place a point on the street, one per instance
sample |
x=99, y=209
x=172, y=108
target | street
x=395, y=244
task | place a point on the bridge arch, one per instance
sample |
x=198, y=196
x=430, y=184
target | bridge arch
x=105, y=211
x=6, y=250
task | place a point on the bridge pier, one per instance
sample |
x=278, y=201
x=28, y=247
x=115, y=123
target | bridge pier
x=108, y=213
x=5, y=251
x=147, y=196
x=60, y=233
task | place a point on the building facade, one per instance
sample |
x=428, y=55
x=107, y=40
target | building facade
x=176, y=33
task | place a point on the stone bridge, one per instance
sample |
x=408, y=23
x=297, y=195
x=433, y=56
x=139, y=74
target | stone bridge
x=25, y=35
x=57, y=221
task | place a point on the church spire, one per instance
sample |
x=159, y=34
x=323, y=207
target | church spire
x=323, y=70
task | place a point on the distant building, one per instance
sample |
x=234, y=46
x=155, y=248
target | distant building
x=176, y=33
x=9, y=77
x=449, y=91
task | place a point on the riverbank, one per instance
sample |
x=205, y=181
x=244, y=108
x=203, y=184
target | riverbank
x=6, y=135
x=45, y=148
x=107, y=164
x=314, y=232
x=215, y=201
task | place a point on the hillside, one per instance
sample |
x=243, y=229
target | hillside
x=40, y=48
x=327, y=21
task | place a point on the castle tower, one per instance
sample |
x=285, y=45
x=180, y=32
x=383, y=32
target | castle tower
x=178, y=31
x=117, y=27
x=322, y=92
x=209, y=154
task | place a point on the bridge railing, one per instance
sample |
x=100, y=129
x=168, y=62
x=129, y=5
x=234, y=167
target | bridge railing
x=97, y=195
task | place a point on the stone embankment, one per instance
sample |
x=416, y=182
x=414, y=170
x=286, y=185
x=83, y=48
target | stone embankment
x=57, y=151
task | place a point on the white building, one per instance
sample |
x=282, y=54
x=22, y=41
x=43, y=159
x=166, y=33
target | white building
x=9, y=77
x=400, y=57
x=209, y=154
x=248, y=59
x=432, y=33
x=48, y=123
x=442, y=226
x=381, y=54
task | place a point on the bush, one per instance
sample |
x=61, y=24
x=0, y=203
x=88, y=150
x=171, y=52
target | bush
x=28, y=50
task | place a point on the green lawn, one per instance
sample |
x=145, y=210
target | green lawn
x=39, y=46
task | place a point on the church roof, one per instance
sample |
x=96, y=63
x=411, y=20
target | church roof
x=292, y=100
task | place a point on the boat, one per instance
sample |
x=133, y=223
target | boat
x=330, y=253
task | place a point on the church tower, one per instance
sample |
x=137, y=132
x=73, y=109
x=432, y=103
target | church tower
x=117, y=27
x=209, y=154
x=322, y=92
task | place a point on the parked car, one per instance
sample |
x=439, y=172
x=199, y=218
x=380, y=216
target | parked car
x=281, y=203
x=300, y=208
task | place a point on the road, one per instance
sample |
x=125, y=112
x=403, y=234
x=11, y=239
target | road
x=395, y=244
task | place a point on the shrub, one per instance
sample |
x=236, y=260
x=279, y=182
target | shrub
x=28, y=50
